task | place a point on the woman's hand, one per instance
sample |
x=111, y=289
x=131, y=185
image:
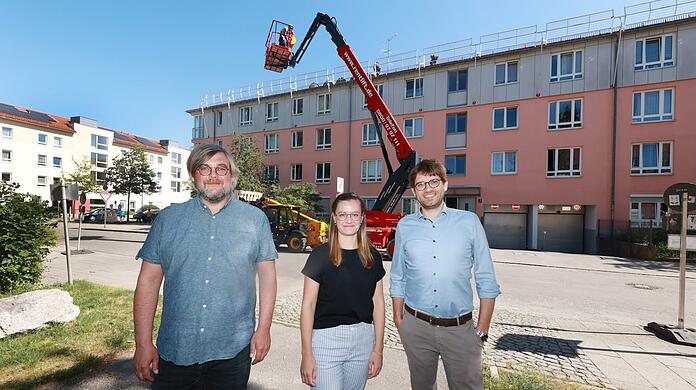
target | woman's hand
x=308, y=370
x=375, y=365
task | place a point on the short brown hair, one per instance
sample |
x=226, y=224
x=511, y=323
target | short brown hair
x=429, y=168
x=203, y=152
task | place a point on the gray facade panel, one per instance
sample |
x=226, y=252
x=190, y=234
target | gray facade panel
x=590, y=69
x=486, y=93
x=686, y=52
x=526, y=75
x=455, y=99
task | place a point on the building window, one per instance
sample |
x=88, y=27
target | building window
x=176, y=172
x=7, y=132
x=370, y=202
x=246, y=116
x=563, y=162
x=58, y=142
x=409, y=205
x=6, y=176
x=655, y=52
x=380, y=91
x=371, y=171
x=414, y=87
x=506, y=73
x=271, y=143
x=297, y=139
x=324, y=138
x=159, y=159
x=41, y=181
x=457, y=80
x=271, y=174
x=651, y=158
x=456, y=165
x=271, y=112
x=369, y=135
x=324, y=104
x=503, y=163
x=505, y=118
x=653, y=106
x=295, y=172
x=6, y=155
x=565, y=114
x=413, y=127
x=298, y=106
x=151, y=158
x=323, y=173
x=219, y=118
x=43, y=139
x=198, y=126
x=57, y=162
x=566, y=66
x=43, y=160
x=176, y=186
x=176, y=158
x=646, y=212
x=99, y=160
x=99, y=177
x=456, y=123
x=100, y=142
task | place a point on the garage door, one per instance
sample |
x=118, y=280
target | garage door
x=561, y=232
x=506, y=230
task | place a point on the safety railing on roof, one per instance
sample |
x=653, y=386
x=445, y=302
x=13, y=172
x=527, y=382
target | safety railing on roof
x=637, y=15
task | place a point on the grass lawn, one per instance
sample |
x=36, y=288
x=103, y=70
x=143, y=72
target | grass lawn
x=510, y=379
x=60, y=351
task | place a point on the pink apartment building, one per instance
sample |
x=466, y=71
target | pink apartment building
x=541, y=139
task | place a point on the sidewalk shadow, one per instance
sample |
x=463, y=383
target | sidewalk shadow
x=646, y=265
x=102, y=238
x=538, y=345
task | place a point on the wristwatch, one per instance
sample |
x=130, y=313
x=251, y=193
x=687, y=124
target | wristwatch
x=483, y=336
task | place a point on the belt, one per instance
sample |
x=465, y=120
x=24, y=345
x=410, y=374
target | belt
x=437, y=321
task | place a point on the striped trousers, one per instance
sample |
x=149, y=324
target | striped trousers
x=342, y=354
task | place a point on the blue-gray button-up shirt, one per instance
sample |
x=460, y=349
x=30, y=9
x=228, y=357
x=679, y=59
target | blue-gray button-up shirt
x=433, y=260
x=209, y=265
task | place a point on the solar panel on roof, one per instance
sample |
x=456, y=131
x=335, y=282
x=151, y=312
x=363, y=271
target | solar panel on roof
x=121, y=137
x=29, y=114
x=147, y=142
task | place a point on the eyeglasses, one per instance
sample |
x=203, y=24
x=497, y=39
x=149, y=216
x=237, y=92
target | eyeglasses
x=343, y=216
x=432, y=183
x=206, y=170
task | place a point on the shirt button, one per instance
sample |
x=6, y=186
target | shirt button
x=434, y=290
x=434, y=257
x=202, y=329
x=433, y=226
x=206, y=282
x=211, y=237
x=435, y=305
x=204, y=306
x=434, y=241
x=213, y=217
x=433, y=273
x=210, y=258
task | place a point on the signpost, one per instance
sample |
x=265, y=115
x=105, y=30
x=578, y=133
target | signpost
x=105, y=195
x=680, y=197
x=59, y=193
x=339, y=185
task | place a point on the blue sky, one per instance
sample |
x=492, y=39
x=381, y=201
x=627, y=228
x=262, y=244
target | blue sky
x=137, y=66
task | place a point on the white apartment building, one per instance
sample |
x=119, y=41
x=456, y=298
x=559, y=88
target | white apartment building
x=38, y=148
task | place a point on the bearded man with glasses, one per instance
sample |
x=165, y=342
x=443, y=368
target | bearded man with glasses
x=208, y=251
x=435, y=252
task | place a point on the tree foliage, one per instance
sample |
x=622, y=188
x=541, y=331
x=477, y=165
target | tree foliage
x=131, y=174
x=82, y=176
x=25, y=237
x=251, y=163
x=304, y=195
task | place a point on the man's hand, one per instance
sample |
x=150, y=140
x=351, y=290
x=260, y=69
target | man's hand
x=146, y=356
x=398, y=310
x=260, y=344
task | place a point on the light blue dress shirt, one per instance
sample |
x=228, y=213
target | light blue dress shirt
x=433, y=262
x=209, y=264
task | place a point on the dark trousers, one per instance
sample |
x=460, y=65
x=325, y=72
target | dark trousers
x=228, y=374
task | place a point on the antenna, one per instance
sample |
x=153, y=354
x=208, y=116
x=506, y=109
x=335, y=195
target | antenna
x=388, y=51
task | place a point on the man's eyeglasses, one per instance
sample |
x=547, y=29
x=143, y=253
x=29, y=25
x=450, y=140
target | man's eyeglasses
x=432, y=183
x=344, y=216
x=206, y=170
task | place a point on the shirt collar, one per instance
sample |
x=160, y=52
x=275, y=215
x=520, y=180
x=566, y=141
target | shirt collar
x=444, y=211
x=202, y=205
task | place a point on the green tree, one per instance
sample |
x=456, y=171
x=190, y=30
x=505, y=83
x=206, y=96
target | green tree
x=82, y=176
x=25, y=237
x=304, y=195
x=131, y=174
x=251, y=163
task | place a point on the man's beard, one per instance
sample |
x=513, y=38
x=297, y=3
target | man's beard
x=213, y=196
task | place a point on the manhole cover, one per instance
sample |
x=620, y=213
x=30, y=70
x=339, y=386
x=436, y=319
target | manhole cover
x=643, y=286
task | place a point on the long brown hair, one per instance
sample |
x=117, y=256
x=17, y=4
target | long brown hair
x=364, y=245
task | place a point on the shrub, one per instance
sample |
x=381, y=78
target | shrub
x=25, y=236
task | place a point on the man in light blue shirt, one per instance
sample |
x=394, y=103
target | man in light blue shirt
x=208, y=250
x=435, y=252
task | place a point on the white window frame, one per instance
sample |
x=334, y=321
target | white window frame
x=572, y=172
x=271, y=177
x=9, y=153
x=369, y=202
x=575, y=74
x=662, y=62
x=272, y=112
x=175, y=186
x=297, y=139
x=636, y=214
x=176, y=158
x=661, y=116
x=415, y=89
x=380, y=91
x=8, y=130
x=41, y=181
x=573, y=124
x=454, y=173
x=294, y=172
x=60, y=162
x=57, y=142
x=505, y=170
x=45, y=141
x=323, y=145
x=323, y=179
x=297, y=106
x=506, y=126
x=42, y=160
x=456, y=75
x=411, y=203
x=413, y=127
x=175, y=172
x=369, y=135
x=97, y=143
x=324, y=104
x=97, y=163
x=506, y=79
x=246, y=115
x=371, y=171
x=9, y=178
x=660, y=169
x=271, y=143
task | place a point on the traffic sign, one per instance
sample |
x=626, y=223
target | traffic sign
x=105, y=195
x=672, y=196
x=515, y=207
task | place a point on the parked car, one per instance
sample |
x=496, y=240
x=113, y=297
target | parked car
x=147, y=215
x=94, y=215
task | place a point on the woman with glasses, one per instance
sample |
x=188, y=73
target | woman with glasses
x=342, y=319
